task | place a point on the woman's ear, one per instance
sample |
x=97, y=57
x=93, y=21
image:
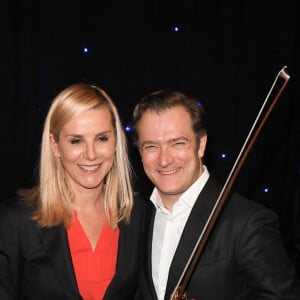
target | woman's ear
x=54, y=146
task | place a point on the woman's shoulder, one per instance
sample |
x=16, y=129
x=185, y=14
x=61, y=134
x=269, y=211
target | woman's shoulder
x=14, y=209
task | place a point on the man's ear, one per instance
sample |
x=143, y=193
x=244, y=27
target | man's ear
x=54, y=146
x=202, y=145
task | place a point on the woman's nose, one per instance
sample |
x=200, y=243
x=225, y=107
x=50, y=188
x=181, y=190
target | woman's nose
x=90, y=152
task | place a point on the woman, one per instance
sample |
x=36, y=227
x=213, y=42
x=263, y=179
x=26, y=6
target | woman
x=76, y=235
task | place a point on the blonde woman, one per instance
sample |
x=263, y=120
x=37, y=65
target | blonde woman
x=76, y=235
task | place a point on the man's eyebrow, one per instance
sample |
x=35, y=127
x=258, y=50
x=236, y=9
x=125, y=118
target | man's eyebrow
x=170, y=141
x=181, y=138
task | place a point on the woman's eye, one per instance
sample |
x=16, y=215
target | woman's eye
x=103, y=138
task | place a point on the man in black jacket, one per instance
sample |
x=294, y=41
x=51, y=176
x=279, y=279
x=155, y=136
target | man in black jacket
x=244, y=257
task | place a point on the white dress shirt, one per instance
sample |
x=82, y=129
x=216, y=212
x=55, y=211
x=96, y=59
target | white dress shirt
x=168, y=227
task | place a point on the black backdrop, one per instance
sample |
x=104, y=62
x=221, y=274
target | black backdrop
x=226, y=53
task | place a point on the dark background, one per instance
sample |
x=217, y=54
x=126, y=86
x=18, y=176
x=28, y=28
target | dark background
x=225, y=53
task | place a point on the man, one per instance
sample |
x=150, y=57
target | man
x=244, y=257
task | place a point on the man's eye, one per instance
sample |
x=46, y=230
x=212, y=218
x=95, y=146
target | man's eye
x=75, y=141
x=179, y=144
x=149, y=148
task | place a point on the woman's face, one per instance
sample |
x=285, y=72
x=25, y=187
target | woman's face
x=86, y=147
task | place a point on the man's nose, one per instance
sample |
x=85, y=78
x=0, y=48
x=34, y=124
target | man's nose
x=165, y=156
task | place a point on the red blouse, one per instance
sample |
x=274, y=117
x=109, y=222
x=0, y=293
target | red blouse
x=94, y=270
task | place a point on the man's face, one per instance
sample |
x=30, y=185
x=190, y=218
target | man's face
x=170, y=155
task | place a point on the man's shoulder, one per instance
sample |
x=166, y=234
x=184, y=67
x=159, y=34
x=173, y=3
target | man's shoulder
x=238, y=204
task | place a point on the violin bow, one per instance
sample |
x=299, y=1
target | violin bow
x=179, y=292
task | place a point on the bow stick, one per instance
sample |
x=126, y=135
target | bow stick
x=179, y=292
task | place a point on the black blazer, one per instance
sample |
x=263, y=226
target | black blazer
x=35, y=262
x=243, y=259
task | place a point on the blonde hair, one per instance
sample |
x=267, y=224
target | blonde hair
x=53, y=193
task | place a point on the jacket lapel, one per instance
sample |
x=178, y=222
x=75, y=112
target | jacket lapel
x=146, y=284
x=124, y=257
x=55, y=242
x=191, y=233
x=149, y=221
x=128, y=255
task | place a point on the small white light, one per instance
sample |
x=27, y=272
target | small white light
x=223, y=155
x=85, y=50
x=176, y=28
x=128, y=128
x=266, y=190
